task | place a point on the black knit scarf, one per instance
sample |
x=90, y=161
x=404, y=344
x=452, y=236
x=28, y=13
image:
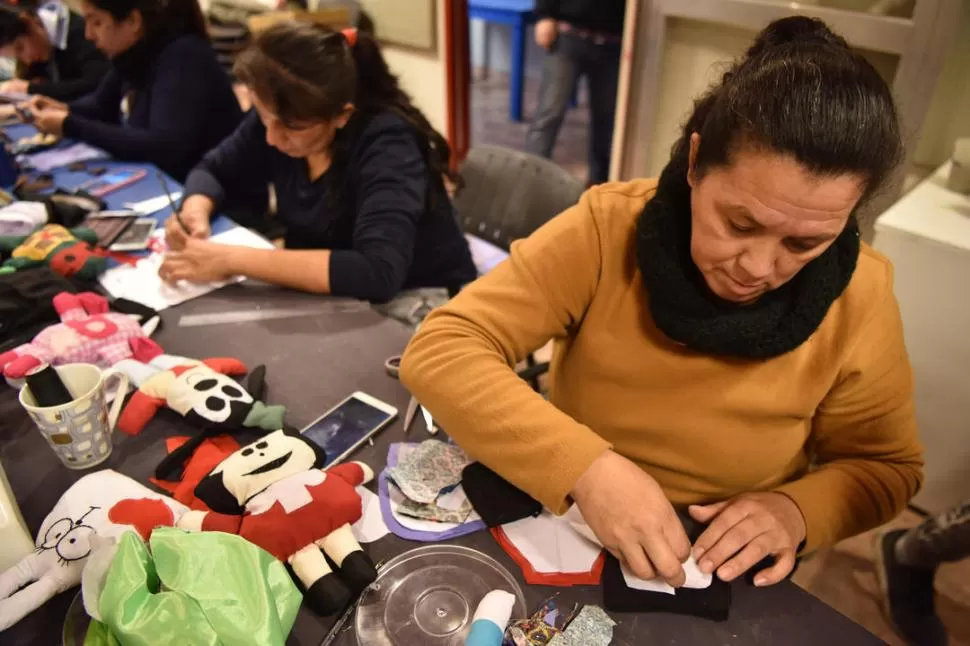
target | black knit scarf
x=686, y=310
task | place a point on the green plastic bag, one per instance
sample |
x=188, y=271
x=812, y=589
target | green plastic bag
x=204, y=589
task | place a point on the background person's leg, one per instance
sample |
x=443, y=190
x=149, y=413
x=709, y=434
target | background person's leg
x=907, y=560
x=560, y=72
x=602, y=77
x=938, y=539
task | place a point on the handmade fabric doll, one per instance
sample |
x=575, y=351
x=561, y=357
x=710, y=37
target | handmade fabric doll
x=68, y=253
x=274, y=493
x=102, y=504
x=88, y=333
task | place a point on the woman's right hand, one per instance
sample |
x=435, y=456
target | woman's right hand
x=195, y=214
x=629, y=513
x=546, y=31
x=40, y=103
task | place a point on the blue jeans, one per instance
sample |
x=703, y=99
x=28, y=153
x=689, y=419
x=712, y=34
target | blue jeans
x=570, y=58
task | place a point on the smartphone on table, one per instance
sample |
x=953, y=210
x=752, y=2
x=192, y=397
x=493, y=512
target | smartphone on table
x=109, y=225
x=345, y=427
x=137, y=236
x=111, y=181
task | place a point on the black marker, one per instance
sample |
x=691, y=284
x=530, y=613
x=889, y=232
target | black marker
x=47, y=387
x=171, y=203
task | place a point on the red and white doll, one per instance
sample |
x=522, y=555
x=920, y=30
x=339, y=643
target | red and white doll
x=274, y=493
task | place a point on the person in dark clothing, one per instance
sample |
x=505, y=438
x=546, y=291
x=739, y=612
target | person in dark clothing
x=582, y=38
x=358, y=170
x=165, y=101
x=54, y=57
x=906, y=563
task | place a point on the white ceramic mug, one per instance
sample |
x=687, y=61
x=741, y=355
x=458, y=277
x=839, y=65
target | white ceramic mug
x=79, y=431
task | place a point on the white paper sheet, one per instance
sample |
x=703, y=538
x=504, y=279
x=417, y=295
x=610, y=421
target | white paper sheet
x=153, y=204
x=551, y=545
x=141, y=283
x=371, y=525
x=485, y=255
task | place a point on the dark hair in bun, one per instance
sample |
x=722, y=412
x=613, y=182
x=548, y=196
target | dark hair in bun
x=800, y=90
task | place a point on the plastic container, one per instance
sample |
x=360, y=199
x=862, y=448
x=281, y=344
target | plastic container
x=15, y=541
x=428, y=597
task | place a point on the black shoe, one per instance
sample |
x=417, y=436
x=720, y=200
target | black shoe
x=908, y=595
x=327, y=595
x=358, y=571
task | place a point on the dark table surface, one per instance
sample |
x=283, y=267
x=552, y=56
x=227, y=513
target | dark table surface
x=312, y=363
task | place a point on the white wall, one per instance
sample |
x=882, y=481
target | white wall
x=424, y=75
x=949, y=114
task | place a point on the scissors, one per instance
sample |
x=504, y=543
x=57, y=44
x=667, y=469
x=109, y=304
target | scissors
x=393, y=368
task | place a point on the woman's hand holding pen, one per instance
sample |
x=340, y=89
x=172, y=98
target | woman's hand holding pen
x=195, y=217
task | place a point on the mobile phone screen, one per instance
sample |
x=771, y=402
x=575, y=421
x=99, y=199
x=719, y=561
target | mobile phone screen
x=136, y=235
x=345, y=427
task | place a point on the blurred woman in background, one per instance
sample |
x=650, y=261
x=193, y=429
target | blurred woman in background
x=358, y=171
x=165, y=100
x=53, y=56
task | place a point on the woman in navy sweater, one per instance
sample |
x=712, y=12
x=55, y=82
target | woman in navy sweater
x=358, y=170
x=53, y=56
x=165, y=101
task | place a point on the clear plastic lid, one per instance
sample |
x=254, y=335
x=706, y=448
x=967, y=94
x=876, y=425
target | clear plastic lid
x=429, y=595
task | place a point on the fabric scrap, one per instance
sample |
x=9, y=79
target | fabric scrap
x=591, y=627
x=496, y=500
x=430, y=469
x=371, y=526
x=412, y=528
x=712, y=602
x=433, y=512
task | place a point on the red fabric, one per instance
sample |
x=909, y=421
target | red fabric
x=93, y=303
x=349, y=471
x=206, y=457
x=145, y=514
x=558, y=579
x=226, y=365
x=334, y=503
x=95, y=327
x=139, y=411
x=144, y=349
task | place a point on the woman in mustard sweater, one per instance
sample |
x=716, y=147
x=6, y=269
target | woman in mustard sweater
x=724, y=341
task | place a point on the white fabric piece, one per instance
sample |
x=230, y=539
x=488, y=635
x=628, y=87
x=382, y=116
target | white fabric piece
x=95, y=573
x=453, y=500
x=396, y=499
x=22, y=218
x=496, y=606
x=371, y=526
x=551, y=545
x=695, y=578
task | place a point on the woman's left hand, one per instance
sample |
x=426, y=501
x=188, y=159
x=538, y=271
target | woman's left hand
x=50, y=120
x=199, y=261
x=15, y=86
x=748, y=528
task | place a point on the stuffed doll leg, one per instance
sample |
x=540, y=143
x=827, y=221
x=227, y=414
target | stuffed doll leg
x=16, y=363
x=14, y=605
x=144, y=349
x=356, y=568
x=69, y=306
x=325, y=593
